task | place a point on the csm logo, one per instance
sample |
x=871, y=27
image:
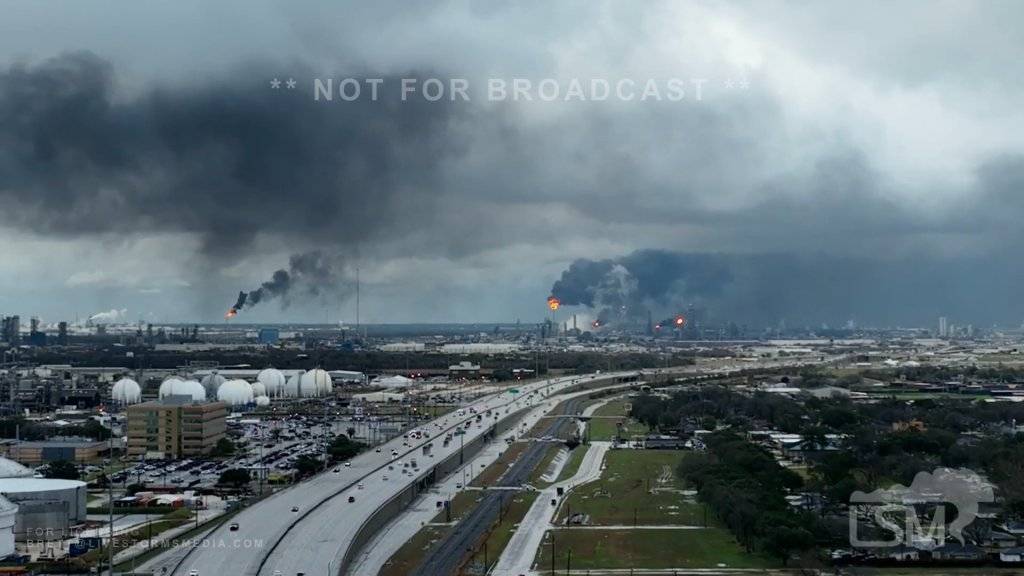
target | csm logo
x=899, y=510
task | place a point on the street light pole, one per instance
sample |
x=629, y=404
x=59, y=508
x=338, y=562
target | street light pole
x=110, y=510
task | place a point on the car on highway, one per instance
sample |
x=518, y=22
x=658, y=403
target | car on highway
x=233, y=527
x=351, y=499
x=295, y=508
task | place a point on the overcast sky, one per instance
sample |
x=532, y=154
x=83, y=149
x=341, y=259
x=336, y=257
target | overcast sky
x=850, y=161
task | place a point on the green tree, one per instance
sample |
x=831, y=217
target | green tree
x=307, y=465
x=224, y=447
x=342, y=448
x=235, y=477
x=783, y=541
x=62, y=469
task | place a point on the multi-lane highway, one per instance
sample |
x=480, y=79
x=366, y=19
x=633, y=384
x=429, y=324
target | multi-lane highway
x=307, y=529
x=446, y=557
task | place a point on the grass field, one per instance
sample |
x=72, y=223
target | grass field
x=462, y=503
x=573, y=465
x=412, y=552
x=516, y=507
x=640, y=486
x=493, y=473
x=608, y=417
x=594, y=549
x=936, y=571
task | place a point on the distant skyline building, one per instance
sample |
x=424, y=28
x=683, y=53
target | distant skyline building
x=10, y=328
x=943, y=327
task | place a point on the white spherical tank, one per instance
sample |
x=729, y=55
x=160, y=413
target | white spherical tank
x=126, y=391
x=211, y=382
x=316, y=382
x=167, y=385
x=273, y=381
x=262, y=401
x=291, y=387
x=191, y=388
x=175, y=386
x=235, y=393
x=258, y=389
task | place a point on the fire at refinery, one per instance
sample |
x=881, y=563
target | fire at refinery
x=679, y=322
x=554, y=303
x=233, y=311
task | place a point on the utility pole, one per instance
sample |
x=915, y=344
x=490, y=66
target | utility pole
x=325, y=436
x=552, y=554
x=110, y=510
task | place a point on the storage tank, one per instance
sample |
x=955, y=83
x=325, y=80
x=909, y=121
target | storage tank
x=126, y=391
x=47, y=507
x=235, y=393
x=273, y=380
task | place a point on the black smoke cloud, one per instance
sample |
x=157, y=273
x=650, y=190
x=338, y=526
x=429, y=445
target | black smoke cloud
x=309, y=275
x=646, y=278
x=800, y=289
x=225, y=158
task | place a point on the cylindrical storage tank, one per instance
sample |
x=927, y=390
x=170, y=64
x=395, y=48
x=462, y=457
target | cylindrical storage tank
x=47, y=507
x=8, y=520
x=235, y=393
x=126, y=391
x=273, y=381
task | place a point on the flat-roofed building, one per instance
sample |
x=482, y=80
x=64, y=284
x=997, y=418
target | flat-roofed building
x=175, y=427
x=78, y=450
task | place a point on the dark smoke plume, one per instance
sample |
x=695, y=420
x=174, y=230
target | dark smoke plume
x=308, y=276
x=806, y=290
x=625, y=288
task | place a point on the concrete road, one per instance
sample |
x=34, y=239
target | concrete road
x=308, y=527
x=517, y=558
x=403, y=527
x=449, y=554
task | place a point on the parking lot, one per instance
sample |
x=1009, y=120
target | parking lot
x=268, y=448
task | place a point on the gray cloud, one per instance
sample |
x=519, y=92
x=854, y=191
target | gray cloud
x=881, y=183
x=226, y=160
